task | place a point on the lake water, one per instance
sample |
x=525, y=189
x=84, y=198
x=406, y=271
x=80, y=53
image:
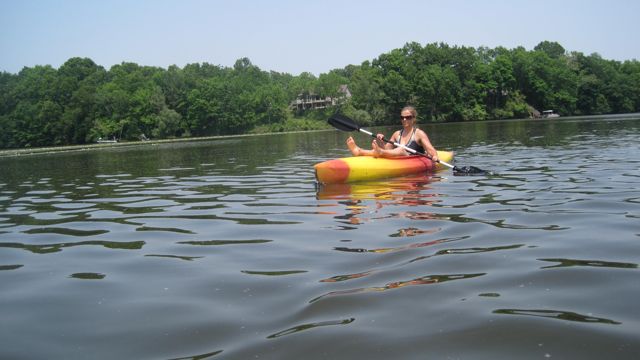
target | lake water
x=227, y=249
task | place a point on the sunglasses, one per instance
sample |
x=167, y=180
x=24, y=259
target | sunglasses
x=410, y=117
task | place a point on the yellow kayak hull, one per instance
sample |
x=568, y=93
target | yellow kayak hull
x=363, y=168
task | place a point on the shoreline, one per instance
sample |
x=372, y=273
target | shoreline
x=96, y=146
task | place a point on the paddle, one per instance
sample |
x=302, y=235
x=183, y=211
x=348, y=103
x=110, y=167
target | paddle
x=344, y=123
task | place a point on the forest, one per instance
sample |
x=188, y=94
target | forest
x=81, y=102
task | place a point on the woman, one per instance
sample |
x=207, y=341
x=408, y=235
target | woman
x=409, y=135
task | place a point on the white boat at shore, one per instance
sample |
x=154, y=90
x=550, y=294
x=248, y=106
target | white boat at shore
x=549, y=114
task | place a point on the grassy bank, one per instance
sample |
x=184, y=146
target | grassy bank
x=291, y=125
x=309, y=125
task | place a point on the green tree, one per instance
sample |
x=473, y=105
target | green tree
x=36, y=114
x=501, y=82
x=367, y=94
x=545, y=82
x=79, y=80
x=329, y=84
x=551, y=48
x=437, y=91
x=81, y=101
x=397, y=92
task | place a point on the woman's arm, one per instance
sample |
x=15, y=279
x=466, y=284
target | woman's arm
x=423, y=140
x=394, y=138
x=388, y=146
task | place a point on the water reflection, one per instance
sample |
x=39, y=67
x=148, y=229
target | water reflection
x=223, y=242
x=51, y=248
x=386, y=189
x=200, y=357
x=88, y=276
x=556, y=314
x=186, y=258
x=303, y=327
x=175, y=230
x=10, y=267
x=593, y=263
x=398, y=248
x=65, y=231
x=474, y=250
x=362, y=200
x=424, y=280
x=458, y=251
x=274, y=273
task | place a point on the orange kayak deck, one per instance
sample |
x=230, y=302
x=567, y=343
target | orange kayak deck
x=362, y=168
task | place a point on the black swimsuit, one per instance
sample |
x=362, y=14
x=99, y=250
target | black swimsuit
x=412, y=144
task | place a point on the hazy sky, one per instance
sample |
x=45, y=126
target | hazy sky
x=296, y=36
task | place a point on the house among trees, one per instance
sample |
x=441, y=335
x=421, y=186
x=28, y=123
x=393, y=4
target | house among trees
x=550, y=114
x=310, y=101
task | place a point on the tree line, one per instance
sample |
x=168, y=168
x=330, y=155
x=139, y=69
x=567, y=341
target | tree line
x=81, y=101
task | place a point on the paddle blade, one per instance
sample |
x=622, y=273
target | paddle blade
x=343, y=123
x=469, y=171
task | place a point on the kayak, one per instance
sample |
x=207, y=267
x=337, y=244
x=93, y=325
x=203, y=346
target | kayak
x=362, y=168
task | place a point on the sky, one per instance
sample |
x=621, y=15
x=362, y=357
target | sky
x=300, y=36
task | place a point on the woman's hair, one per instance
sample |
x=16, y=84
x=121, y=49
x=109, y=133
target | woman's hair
x=412, y=110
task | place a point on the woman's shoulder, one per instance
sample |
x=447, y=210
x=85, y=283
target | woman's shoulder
x=420, y=132
x=421, y=135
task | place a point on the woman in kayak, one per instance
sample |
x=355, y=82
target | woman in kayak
x=409, y=135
